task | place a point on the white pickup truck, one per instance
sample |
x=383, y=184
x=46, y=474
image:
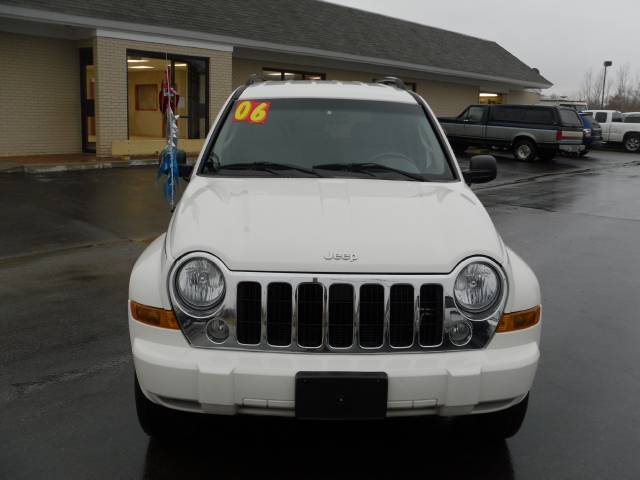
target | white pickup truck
x=615, y=129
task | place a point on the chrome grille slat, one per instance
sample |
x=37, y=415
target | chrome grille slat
x=387, y=316
x=356, y=317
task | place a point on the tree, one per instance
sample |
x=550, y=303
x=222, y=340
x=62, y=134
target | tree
x=591, y=90
x=621, y=93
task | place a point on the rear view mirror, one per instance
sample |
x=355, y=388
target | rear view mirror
x=482, y=169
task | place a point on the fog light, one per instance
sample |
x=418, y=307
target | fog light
x=218, y=330
x=460, y=333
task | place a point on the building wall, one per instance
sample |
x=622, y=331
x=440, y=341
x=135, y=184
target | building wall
x=524, y=97
x=448, y=99
x=110, y=58
x=444, y=98
x=40, y=95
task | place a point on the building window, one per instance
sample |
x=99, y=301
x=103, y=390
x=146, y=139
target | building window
x=486, y=98
x=278, y=74
x=189, y=77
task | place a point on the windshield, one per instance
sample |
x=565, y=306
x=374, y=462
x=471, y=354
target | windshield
x=328, y=138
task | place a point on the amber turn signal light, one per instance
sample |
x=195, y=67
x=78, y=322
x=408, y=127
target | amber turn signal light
x=519, y=320
x=158, y=317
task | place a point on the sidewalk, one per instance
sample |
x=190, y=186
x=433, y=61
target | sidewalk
x=67, y=163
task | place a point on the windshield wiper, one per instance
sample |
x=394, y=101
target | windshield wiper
x=367, y=167
x=270, y=167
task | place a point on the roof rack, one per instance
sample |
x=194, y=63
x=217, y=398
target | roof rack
x=392, y=81
x=254, y=78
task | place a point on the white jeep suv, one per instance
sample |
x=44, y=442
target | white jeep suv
x=329, y=261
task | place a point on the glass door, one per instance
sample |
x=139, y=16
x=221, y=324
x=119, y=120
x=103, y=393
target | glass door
x=87, y=100
x=146, y=73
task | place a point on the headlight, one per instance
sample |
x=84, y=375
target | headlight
x=199, y=285
x=477, y=288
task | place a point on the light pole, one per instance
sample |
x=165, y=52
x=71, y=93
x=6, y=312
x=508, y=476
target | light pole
x=606, y=64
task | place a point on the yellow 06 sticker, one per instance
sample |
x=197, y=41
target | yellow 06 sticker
x=252, y=112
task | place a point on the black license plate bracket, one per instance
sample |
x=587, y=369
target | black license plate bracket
x=341, y=395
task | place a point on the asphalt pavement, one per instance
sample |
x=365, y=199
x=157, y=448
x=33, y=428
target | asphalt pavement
x=67, y=245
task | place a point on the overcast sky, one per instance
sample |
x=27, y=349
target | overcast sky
x=563, y=38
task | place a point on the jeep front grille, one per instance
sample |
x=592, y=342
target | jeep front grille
x=335, y=312
x=339, y=316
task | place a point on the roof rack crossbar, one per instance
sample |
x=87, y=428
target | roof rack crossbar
x=392, y=81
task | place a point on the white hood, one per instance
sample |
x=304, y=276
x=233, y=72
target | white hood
x=294, y=224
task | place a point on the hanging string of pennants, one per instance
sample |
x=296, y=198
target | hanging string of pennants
x=169, y=98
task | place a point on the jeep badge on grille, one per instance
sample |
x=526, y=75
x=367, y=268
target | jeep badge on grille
x=345, y=257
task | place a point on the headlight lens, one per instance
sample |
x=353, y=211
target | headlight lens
x=477, y=288
x=199, y=284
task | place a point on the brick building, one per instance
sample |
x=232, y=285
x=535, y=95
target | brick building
x=85, y=76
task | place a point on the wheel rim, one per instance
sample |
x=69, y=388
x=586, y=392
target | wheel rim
x=523, y=152
x=632, y=143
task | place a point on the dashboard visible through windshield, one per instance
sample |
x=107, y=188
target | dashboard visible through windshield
x=328, y=138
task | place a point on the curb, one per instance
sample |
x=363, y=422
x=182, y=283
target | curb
x=36, y=168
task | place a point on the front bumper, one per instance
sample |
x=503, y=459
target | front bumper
x=176, y=375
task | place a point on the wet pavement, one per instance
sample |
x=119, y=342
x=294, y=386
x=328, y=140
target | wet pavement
x=68, y=242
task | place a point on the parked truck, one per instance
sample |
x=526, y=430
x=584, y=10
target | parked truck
x=616, y=129
x=529, y=131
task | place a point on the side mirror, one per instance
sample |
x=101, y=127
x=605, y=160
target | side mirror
x=482, y=169
x=184, y=170
x=181, y=157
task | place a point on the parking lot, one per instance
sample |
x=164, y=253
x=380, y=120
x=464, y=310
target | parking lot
x=69, y=241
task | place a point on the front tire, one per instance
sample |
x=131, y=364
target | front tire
x=505, y=423
x=156, y=421
x=524, y=150
x=631, y=142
